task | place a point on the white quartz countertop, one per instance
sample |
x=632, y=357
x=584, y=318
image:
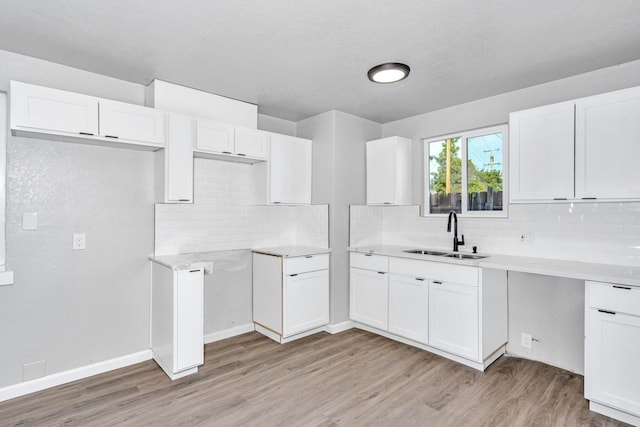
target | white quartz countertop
x=207, y=260
x=621, y=274
x=292, y=251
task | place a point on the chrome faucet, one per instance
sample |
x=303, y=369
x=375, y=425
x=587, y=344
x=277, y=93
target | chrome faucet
x=456, y=242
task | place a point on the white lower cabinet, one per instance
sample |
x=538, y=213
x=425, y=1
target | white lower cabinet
x=290, y=295
x=453, y=318
x=409, y=307
x=457, y=311
x=612, y=350
x=177, y=319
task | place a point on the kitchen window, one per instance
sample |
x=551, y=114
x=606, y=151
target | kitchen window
x=467, y=172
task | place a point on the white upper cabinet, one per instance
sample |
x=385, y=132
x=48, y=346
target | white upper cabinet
x=44, y=109
x=289, y=170
x=213, y=136
x=389, y=178
x=608, y=145
x=131, y=122
x=227, y=142
x=586, y=149
x=541, y=150
x=43, y=112
x=174, y=164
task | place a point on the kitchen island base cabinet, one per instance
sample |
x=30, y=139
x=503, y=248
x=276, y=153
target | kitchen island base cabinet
x=612, y=350
x=290, y=295
x=177, y=321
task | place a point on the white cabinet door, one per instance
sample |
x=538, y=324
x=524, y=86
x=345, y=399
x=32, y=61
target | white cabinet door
x=251, y=142
x=306, y=305
x=380, y=172
x=120, y=120
x=453, y=318
x=41, y=108
x=542, y=153
x=189, y=319
x=215, y=137
x=389, y=177
x=178, y=159
x=608, y=145
x=612, y=352
x=369, y=298
x=409, y=307
x=289, y=170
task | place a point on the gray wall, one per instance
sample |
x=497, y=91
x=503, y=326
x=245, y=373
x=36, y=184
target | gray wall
x=339, y=180
x=73, y=308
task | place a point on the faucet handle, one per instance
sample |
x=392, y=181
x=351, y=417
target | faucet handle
x=461, y=241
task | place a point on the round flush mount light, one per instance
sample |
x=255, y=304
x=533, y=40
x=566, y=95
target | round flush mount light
x=389, y=72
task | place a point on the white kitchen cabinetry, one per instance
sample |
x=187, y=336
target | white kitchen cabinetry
x=585, y=149
x=227, y=142
x=177, y=321
x=174, y=164
x=131, y=122
x=612, y=350
x=541, y=153
x=389, y=177
x=42, y=112
x=608, y=145
x=290, y=295
x=289, y=170
x=51, y=110
x=457, y=311
x=369, y=290
x=453, y=318
x=409, y=307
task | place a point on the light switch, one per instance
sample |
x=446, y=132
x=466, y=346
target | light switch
x=29, y=221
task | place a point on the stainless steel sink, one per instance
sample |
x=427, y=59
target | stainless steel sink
x=465, y=256
x=425, y=252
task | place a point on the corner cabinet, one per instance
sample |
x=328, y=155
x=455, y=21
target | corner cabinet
x=42, y=112
x=389, y=166
x=289, y=170
x=456, y=311
x=290, y=295
x=612, y=350
x=581, y=150
x=177, y=319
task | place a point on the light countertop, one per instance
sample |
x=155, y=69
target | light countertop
x=292, y=251
x=621, y=274
x=207, y=260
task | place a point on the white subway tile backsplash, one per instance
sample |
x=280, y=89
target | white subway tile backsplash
x=595, y=232
x=225, y=217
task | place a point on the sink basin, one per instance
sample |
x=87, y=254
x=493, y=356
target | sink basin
x=425, y=252
x=465, y=256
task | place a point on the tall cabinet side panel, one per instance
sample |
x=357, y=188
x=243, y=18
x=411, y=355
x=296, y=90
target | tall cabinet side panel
x=267, y=291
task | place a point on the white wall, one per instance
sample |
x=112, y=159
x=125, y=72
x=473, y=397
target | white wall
x=339, y=180
x=274, y=124
x=73, y=308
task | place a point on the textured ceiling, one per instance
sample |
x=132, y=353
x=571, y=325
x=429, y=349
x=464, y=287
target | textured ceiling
x=298, y=58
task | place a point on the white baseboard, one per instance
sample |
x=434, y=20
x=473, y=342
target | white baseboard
x=340, y=327
x=53, y=380
x=228, y=333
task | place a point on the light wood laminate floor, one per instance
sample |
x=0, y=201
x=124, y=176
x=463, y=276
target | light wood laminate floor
x=354, y=378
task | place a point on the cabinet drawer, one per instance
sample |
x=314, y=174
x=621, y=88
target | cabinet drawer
x=303, y=264
x=370, y=261
x=440, y=271
x=617, y=298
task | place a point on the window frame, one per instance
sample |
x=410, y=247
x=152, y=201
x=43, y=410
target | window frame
x=464, y=137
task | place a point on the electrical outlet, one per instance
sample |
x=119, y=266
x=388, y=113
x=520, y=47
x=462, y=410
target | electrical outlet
x=526, y=237
x=79, y=241
x=526, y=340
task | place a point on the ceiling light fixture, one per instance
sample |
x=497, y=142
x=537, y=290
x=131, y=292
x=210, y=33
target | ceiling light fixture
x=389, y=72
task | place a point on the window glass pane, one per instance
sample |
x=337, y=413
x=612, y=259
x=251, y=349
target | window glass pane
x=484, y=172
x=445, y=176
